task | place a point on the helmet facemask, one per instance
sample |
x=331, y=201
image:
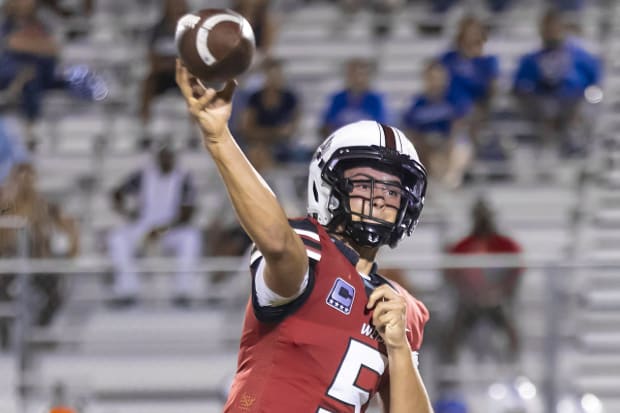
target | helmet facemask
x=363, y=228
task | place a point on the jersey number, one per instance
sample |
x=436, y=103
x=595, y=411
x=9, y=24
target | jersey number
x=345, y=388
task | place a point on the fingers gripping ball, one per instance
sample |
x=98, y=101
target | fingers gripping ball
x=215, y=45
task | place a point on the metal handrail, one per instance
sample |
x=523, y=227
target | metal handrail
x=101, y=263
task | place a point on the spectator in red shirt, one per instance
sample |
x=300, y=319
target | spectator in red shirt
x=483, y=292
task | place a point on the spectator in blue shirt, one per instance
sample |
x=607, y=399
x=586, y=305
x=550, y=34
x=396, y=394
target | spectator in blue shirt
x=436, y=122
x=550, y=83
x=472, y=73
x=356, y=102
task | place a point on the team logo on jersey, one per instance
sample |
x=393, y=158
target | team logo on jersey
x=341, y=296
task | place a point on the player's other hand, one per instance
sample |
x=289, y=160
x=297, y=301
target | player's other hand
x=389, y=316
x=210, y=108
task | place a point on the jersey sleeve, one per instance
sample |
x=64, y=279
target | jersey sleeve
x=417, y=317
x=308, y=232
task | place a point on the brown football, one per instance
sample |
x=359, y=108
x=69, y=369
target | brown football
x=215, y=44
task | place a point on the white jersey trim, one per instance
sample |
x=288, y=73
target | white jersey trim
x=308, y=234
x=266, y=296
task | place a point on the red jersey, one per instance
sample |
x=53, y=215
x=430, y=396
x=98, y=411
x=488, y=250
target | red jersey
x=471, y=280
x=319, y=353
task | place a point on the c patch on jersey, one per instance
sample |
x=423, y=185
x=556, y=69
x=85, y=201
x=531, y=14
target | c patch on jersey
x=341, y=296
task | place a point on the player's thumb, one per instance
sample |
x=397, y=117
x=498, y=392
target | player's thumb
x=227, y=93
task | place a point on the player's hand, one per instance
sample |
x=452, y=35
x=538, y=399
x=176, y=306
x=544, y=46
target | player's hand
x=389, y=316
x=210, y=108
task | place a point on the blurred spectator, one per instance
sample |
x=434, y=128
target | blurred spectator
x=20, y=197
x=28, y=65
x=483, y=293
x=12, y=149
x=356, y=102
x=166, y=200
x=28, y=57
x=551, y=85
x=260, y=17
x=436, y=123
x=472, y=73
x=63, y=240
x=162, y=56
x=270, y=119
x=50, y=234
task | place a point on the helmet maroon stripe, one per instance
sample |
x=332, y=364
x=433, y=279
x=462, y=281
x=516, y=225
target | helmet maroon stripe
x=390, y=139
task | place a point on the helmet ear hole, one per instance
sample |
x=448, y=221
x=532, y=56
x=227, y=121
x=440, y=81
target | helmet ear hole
x=334, y=203
x=315, y=192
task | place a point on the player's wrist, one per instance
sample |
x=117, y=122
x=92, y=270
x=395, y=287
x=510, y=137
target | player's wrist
x=398, y=348
x=213, y=140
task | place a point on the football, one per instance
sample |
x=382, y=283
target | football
x=215, y=45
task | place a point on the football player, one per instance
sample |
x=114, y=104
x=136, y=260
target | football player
x=323, y=331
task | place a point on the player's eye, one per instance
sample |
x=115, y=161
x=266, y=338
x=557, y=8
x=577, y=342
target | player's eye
x=361, y=186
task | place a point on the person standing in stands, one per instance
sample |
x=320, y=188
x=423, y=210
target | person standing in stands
x=483, y=293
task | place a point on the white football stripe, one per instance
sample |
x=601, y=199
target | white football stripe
x=184, y=24
x=308, y=234
x=203, y=35
x=311, y=254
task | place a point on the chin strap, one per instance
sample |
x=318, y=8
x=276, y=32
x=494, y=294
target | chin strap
x=368, y=235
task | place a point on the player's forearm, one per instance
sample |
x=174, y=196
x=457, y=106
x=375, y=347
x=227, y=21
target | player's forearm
x=257, y=208
x=407, y=391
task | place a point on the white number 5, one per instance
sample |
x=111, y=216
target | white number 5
x=344, y=388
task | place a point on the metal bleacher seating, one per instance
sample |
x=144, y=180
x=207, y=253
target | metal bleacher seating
x=160, y=359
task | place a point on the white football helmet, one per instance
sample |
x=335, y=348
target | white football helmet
x=365, y=143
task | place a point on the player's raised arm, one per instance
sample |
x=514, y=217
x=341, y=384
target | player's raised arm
x=257, y=208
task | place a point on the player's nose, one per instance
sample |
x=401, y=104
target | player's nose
x=378, y=201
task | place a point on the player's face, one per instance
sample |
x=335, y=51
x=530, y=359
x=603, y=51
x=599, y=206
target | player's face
x=373, y=193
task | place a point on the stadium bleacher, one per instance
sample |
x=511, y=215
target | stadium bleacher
x=161, y=359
